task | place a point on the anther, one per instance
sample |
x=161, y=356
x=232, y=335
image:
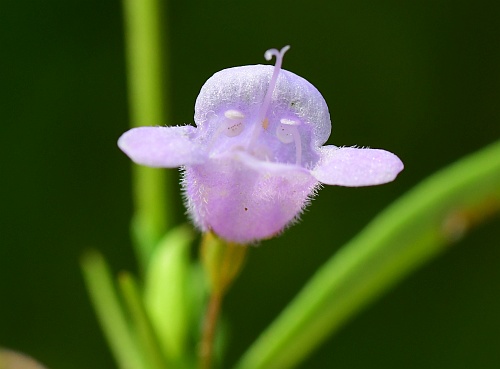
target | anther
x=233, y=129
x=287, y=132
x=233, y=124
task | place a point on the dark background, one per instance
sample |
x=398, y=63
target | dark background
x=419, y=78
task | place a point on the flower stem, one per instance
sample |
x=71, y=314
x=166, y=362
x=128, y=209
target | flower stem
x=209, y=327
x=148, y=98
x=223, y=262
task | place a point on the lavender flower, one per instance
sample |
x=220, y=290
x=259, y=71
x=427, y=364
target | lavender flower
x=255, y=158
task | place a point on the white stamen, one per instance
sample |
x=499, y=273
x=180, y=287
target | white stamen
x=287, y=132
x=233, y=125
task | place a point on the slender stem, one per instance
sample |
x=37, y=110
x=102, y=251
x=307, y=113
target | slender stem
x=223, y=262
x=148, y=97
x=209, y=328
x=413, y=230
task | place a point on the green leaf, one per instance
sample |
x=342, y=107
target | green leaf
x=415, y=228
x=148, y=341
x=166, y=293
x=110, y=312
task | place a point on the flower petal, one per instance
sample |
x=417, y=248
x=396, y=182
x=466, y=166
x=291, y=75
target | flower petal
x=348, y=166
x=244, y=202
x=165, y=147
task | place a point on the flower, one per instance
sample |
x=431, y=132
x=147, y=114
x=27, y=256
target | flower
x=255, y=158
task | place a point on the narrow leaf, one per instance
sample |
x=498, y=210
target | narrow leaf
x=110, y=312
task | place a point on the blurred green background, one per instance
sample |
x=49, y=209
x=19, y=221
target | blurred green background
x=419, y=78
